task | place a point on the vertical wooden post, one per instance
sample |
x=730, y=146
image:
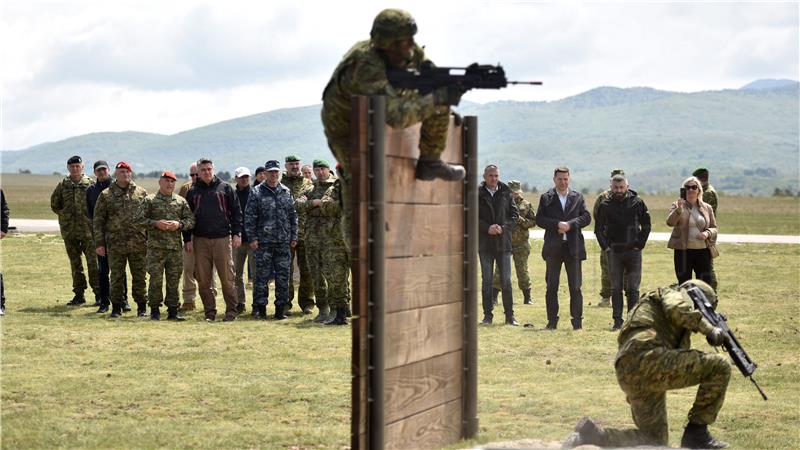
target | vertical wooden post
x=470, y=393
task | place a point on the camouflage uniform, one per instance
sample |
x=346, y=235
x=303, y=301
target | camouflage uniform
x=271, y=219
x=299, y=185
x=125, y=242
x=325, y=245
x=605, y=278
x=710, y=197
x=520, y=245
x=69, y=202
x=654, y=357
x=164, y=248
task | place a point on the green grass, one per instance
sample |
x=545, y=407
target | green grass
x=29, y=198
x=73, y=379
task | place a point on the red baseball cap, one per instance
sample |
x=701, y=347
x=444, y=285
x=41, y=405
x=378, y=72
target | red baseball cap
x=170, y=175
x=123, y=165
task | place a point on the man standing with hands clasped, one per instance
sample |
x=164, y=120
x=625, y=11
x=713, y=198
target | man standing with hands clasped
x=562, y=213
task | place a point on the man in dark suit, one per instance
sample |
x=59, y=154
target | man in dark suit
x=562, y=213
x=497, y=214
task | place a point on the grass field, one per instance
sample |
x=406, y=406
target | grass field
x=73, y=379
x=29, y=197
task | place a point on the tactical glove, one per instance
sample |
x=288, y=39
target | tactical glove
x=448, y=95
x=716, y=337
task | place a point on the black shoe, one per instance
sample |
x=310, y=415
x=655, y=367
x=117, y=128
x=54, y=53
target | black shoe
x=527, y=294
x=141, y=310
x=260, y=312
x=340, y=318
x=229, y=318
x=210, y=316
x=172, y=314
x=126, y=306
x=697, y=436
x=486, y=321
x=240, y=308
x=551, y=326
x=103, y=309
x=617, y=325
x=116, y=311
x=576, y=325
x=280, y=314
x=430, y=169
x=512, y=321
x=254, y=310
x=155, y=314
x=77, y=300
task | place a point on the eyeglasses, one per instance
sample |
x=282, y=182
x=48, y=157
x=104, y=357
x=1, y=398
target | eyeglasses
x=692, y=187
x=192, y=174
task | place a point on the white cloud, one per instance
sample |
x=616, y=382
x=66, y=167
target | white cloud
x=82, y=66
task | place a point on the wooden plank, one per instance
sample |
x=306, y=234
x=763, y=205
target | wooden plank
x=414, y=230
x=417, y=387
x=434, y=428
x=419, y=334
x=423, y=281
x=405, y=188
x=405, y=143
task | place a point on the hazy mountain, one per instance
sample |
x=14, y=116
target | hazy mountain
x=747, y=137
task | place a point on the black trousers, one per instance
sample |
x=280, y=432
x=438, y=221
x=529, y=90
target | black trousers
x=693, y=260
x=574, y=279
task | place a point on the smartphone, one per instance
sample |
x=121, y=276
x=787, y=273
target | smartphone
x=683, y=193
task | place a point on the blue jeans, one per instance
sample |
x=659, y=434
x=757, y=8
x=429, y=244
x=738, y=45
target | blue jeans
x=503, y=261
x=625, y=268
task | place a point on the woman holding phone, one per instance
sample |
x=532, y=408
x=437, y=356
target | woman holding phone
x=694, y=233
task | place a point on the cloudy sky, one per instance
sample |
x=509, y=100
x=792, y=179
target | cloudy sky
x=74, y=67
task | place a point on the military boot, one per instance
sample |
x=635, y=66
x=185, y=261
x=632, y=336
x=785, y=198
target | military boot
x=323, y=315
x=141, y=310
x=340, y=318
x=527, y=294
x=280, y=313
x=495, y=293
x=116, y=311
x=155, y=314
x=586, y=433
x=77, y=300
x=697, y=436
x=126, y=306
x=605, y=302
x=172, y=314
x=260, y=312
x=103, y=306
x=431, y=168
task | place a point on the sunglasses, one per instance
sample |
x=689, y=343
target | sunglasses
x=192, y=174
x=692, y=187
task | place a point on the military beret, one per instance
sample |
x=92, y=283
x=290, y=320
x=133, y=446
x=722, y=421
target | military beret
x=700, y=171
x=273, y=165
x=292, y=158
x=617, y=172
x=75, y=160
x=515, y=186
x=321, y=163
x=169, y=174
x=123, y=165
x=100, y=164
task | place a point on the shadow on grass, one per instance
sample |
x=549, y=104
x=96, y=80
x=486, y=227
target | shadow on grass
x=54, y=310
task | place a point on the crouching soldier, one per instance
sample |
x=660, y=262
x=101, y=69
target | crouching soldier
x=655, y=356
x=165, y=215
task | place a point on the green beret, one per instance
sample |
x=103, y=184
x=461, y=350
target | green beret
x=617, y=172
x=292, y=158
x=321, y=163
x=700, y=171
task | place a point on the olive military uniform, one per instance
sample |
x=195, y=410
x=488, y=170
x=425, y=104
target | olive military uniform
x=300, y=185
x=520, y=242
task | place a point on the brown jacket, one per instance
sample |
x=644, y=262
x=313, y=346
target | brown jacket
x=678, y=219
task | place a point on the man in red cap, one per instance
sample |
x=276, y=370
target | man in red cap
x=165, y=215
x=116, y=235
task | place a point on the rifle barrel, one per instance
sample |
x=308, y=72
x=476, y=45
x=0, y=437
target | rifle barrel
x=536, y=83
x=759, y=388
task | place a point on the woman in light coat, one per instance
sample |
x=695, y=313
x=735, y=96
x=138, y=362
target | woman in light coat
x=694, y=233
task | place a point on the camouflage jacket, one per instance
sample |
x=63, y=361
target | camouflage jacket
x=114, y=216
x=184, y=190
x=362, y=71
x=160, y=207
x=270, y=217
x=520, y=234
x=662, y=318
x=710, y=197
x=298, y=185
x=323, y=222
x=605, y=195
x=69, y=202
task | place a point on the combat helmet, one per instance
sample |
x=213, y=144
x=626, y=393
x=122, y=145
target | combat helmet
x=711, y=294
x=392, y=25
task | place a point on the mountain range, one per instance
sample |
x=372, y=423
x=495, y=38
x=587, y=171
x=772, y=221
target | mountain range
x=747, y=137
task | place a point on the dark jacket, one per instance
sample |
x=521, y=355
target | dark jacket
x=549, y=213
x=622, y=224
x=216, y=210
x=93, y=193
x=6, y=212
x=495, y=209
x=242, y=195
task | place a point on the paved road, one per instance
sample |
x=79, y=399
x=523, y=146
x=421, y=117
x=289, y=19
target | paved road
x=51, y=226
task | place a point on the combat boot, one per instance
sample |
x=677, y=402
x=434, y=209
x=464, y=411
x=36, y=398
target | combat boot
x=495, y=293
x=586, y=433
x=527, y=294
x=103, y=306
x=155, y=314
x=126, y=306
x=431, y=168
x=260, y=312
x=172, y=314
x=77, y=300
x=116, y=311
x=697, y=436
x=339, y=319
x=141, y=310
x=323, y=315
x=605, y=302
x=280, y=313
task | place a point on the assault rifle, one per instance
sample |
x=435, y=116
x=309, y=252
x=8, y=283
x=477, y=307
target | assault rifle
x=429, y=77
x=731, y=344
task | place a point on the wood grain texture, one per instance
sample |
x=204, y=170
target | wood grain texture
x=419, y=334
x=414, y=230
x=423, y=281
x=405, y=188
x=417, y=387
x=432, y=429
x=405, y=143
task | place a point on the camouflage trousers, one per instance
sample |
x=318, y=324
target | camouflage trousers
x=330, y=267
x=272, y=259
x=646, y=377
x=306, y=292
x=520, y=255
x=164, y=264
x=137, y=260
x=78, y=248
